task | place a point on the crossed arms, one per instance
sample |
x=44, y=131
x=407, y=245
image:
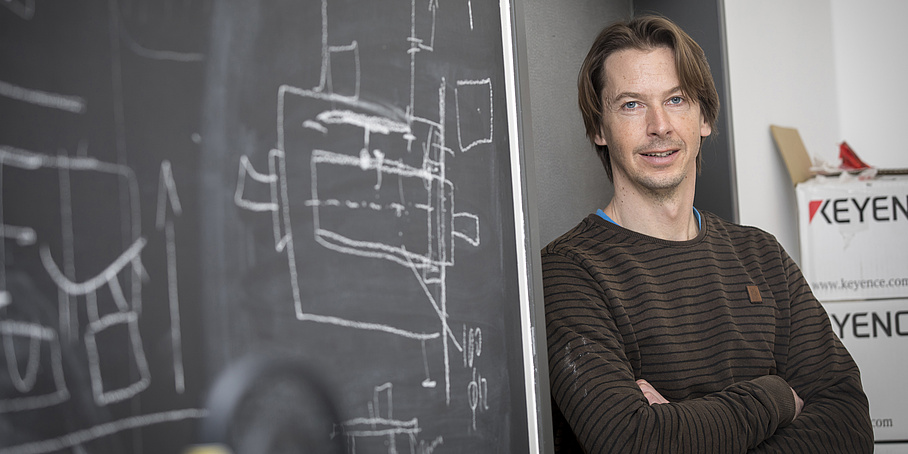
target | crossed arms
x=795, y=389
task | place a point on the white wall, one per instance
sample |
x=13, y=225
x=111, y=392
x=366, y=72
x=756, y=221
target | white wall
x=834, y=69
x=871, y=66
x=781, y=71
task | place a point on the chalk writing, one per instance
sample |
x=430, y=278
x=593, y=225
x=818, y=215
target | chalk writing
x=380, y=424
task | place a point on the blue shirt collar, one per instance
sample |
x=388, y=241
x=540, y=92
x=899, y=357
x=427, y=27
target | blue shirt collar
x=607, y=218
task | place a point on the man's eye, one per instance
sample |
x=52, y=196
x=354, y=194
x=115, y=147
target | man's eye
x=675, y=100
x=630, y=105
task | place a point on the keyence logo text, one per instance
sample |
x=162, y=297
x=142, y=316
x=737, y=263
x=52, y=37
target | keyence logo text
x=851, y=210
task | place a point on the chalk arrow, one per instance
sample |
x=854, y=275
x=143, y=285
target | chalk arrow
x=167, y=195
x=167, y=192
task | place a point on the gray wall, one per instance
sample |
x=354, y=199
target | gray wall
x=570, y=180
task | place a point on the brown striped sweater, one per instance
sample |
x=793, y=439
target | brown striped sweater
x=621, y=306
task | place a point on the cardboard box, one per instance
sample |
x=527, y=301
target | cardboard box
x=876, y=334
x=853, y=233
x=854, y=237
x=854, y=248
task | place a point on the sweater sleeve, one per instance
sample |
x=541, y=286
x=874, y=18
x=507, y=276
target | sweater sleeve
x=593, y=384
x=835, y=418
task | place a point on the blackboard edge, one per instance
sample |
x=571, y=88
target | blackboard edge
x=539, y=413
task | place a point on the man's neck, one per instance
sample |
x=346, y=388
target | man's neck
x=668, y=217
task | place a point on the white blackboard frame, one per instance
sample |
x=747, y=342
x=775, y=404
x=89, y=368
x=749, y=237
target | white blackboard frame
x=532, y=316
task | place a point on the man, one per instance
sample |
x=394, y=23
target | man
x=671, y=330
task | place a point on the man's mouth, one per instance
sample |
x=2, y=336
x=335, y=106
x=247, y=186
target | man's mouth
x=661, y=154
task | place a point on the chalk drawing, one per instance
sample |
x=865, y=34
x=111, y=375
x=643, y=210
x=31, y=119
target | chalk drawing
x=470, y=11
x=68, y=103
x=102, y=394
x=105, y=277
x=339, y=109
x=475, y=89
x=167, y=196
x=74, y=439
x=428, y=382
x=159, y=54
x=178, y=17
x=337, y=54
x=422, y=26
x=245, y=170
x=127, y=229
x=129, y=260
x=30, y=350
x=379, y=425
x=24, y=236
x=66, y=302
x=41, y=339
x=99, y=311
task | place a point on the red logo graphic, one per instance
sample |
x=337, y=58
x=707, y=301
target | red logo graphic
x=814, y=206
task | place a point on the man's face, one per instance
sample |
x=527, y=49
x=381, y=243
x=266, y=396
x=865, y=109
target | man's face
x=652, y=129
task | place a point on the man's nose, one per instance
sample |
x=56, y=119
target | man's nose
x=658, y=122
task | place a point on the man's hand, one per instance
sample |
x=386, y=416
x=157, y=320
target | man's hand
x=799, y=403
x=653, y=396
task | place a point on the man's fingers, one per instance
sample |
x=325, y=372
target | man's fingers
x=799, y=403
x=652, y=396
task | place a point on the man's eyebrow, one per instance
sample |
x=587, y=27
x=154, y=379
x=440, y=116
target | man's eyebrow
x=626, y=94
x=677, y=89
x=631, y=94
x=610, y=102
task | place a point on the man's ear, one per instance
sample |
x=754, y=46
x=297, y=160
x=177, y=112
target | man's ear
x=705, y=128
x=600, y=139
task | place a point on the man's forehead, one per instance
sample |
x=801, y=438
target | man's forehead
x=637, y=71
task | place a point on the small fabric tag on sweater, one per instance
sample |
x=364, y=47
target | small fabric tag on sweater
x=754, y=293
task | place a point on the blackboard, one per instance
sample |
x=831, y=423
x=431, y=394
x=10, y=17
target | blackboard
x=186, y=184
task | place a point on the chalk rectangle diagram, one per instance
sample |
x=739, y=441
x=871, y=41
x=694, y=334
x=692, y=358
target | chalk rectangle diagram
x=32, y=359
